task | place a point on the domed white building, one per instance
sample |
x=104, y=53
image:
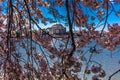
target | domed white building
x=57, y=29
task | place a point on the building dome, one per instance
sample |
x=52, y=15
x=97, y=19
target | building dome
x=57, y=26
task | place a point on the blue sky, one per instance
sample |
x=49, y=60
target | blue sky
x=62, y=10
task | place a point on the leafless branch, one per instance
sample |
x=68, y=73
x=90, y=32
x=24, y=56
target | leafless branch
x=113, y=74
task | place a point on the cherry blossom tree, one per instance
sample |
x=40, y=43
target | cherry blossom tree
x=28, y=54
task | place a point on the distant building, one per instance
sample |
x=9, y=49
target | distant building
x=57, y=29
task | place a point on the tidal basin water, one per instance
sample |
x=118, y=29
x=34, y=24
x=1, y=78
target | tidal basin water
x=108, y=59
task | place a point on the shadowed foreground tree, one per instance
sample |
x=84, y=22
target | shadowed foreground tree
x=27, y=54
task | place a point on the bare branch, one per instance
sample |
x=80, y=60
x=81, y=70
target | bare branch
x=116, y=72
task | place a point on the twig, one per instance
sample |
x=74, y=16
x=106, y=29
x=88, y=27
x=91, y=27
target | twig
x=105, y=20
x=113, y=74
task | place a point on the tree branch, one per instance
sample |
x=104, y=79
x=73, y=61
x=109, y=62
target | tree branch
x=113, y=74
x=70, y=30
